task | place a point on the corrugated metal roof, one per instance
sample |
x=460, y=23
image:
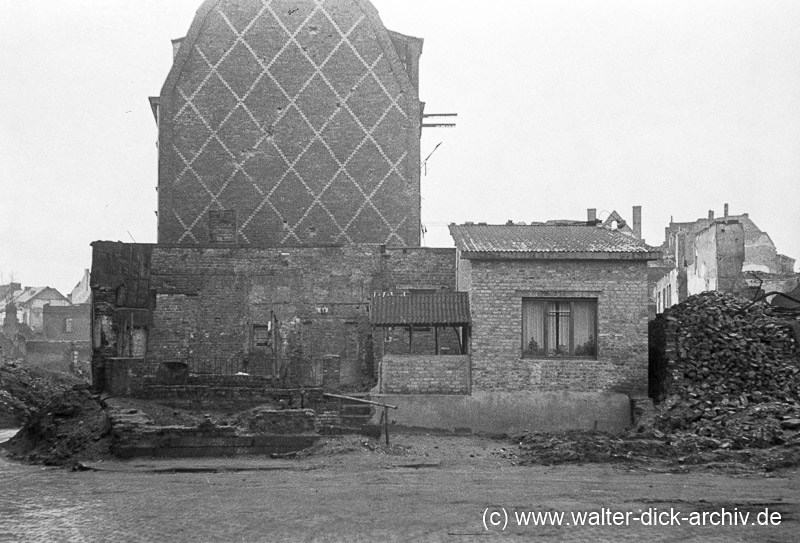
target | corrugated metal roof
x=544, y=239
x=446, y=308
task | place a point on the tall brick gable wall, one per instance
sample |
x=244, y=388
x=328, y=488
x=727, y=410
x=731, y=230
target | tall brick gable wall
x=290, y=122
x=497, y=290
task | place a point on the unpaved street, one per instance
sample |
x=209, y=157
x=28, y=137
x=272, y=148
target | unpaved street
x=424, y=488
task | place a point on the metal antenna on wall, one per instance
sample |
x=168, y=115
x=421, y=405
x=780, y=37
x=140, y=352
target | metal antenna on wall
x=424, y=165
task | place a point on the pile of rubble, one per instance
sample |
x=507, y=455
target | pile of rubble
x=652, y=450
x=24, y=390
x=72, y=424
x=581, y=446
x=732, y=372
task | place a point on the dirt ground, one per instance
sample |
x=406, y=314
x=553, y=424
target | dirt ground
x=421, y=488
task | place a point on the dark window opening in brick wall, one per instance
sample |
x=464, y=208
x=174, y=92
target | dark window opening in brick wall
x=222, y=226
x=559, y=328
x=261, y=338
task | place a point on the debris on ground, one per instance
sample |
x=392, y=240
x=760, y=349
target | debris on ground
x=679, y=450
x=72, y=424
x=343, y=445
x=24, y=389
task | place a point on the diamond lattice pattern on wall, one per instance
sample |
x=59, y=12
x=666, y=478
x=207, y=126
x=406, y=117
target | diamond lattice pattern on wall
x=288, y=112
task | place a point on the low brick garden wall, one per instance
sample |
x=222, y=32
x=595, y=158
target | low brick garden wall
x=425, y=374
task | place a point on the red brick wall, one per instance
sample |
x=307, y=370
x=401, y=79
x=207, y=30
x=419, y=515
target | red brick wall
x=300, y=117
x=620, y=288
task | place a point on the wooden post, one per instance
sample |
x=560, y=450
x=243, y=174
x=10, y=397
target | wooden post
x=274, y=350
x=436, y=338
x=410, y=339
x=386, y=423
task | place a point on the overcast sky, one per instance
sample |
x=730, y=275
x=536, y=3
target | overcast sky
x=678, y=106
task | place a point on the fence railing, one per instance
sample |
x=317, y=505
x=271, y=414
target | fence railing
x=260, y=366
x=257, y=366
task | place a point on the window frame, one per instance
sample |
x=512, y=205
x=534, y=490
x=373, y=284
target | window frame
x=545, y=330
x=256, y=345
x=221, y=221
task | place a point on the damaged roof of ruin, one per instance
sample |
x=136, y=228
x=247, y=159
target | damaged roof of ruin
x=445, y=308
x=549, y=241
x=788, y=302
x=752, y=233
x=27, y=294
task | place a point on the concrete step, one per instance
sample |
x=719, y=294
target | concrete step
x=370, y=430
x=355, y=421
x=225, y=446
x=355, y=409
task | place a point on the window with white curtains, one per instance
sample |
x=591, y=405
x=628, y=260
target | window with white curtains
x=559, y=328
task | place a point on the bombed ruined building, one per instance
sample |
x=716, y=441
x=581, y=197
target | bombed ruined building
x=728, y=254
x=290, y=123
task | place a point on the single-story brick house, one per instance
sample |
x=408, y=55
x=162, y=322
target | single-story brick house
x=558, y=328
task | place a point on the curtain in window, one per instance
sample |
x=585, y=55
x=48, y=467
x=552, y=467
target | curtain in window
x=533, y=328
x=585, y=325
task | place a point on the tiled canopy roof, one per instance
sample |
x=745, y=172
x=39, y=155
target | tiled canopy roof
x=546, y=239
x=445, y=308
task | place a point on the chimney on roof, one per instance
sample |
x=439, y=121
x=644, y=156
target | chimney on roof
x=726, y=210
x=637, y=222
x=591, y=214
x=176, y=44
x=710, y=214
x=509, y=222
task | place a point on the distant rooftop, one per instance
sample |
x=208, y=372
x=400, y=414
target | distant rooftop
x=549, y=241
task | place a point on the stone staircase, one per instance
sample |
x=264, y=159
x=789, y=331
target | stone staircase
x=345, y=416
x=355, y=415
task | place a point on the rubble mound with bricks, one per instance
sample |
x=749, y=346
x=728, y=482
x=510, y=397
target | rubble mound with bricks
x=72, y=424
x=24, y=390
x=731, y=372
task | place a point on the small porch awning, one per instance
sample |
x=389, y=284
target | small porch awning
x=429, y=309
